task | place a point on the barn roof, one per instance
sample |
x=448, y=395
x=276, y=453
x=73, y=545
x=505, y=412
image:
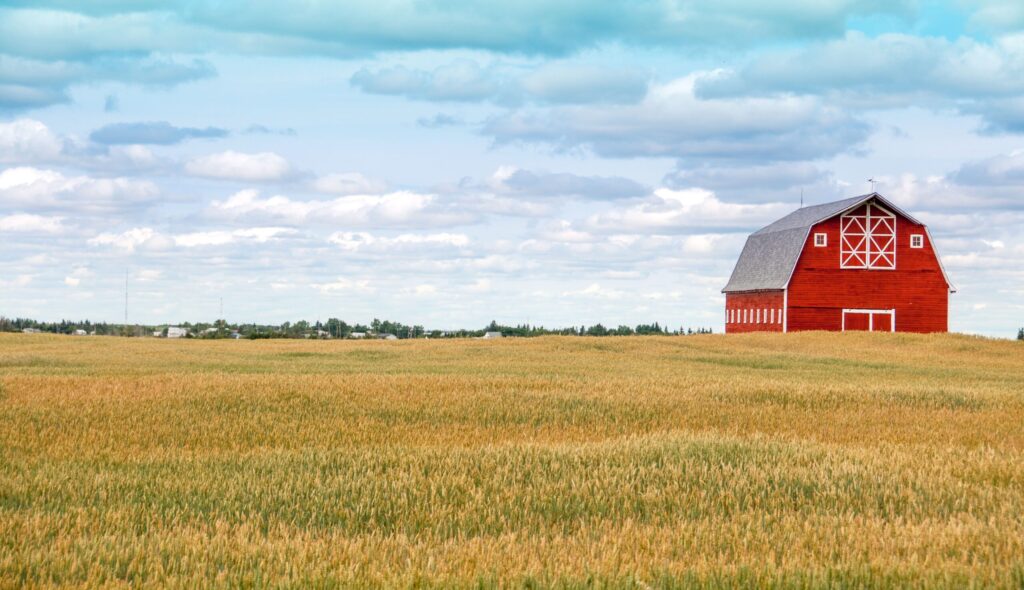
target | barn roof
x=771, y=253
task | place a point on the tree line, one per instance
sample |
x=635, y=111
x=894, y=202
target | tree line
x=332, y=328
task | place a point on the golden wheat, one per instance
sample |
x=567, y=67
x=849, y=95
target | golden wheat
x=804, y=460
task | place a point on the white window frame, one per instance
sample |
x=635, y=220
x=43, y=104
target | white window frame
x=855, y=248
x=772, y=321
x=917, y=241
x=871, y=317
x=820, y=240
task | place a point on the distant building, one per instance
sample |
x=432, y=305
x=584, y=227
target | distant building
x=357, y=335
x=388, y=337
x=31, y=331
x=491, y=335
x=79, y=333
x=157, y=333
x=176, y=332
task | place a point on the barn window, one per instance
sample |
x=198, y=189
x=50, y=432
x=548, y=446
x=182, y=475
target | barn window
x=820, y=240
x=916, y=241
x=868, y=238
x=780, y=315
x=757, y=316
x=772, y=321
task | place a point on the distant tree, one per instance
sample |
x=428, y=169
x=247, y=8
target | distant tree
x=1020, y=334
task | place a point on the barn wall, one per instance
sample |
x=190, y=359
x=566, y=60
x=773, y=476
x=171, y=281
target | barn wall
x=751, y=302
x=819, y=289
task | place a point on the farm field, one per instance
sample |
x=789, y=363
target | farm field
x=799, y=460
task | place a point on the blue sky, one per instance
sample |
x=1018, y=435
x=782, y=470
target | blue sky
x=448, y=163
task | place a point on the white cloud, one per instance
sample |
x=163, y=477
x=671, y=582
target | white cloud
x=596, y=291
x=396, y=208
x=480, y=286
x=75, y=278
x=147, y=237
x=220, y=237
x=28, y=140
x=353, y=241
x=24, y=223
x=465, y=80
x=127, y=240
x=18, y=281
x=670, y=210
x=351, y=183
x=34, y=187
x=343, y=284
x=149, y=274
x=672, y=122
x=232, y=165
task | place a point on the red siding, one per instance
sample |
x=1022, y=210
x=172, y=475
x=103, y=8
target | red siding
x=741, y=312
x=819, y=289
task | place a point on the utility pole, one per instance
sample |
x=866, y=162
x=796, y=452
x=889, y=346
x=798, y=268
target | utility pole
x=872, y=181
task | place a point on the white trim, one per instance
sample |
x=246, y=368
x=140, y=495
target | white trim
x=850, y=252
x=785, y=310
x=871, y=317
x=824, y=240
x=917, y=241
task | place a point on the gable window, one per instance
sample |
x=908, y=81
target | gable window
x=868, y=238
x=916, y=241
x=820, y=240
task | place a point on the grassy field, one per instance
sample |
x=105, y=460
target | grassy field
x=804, y=460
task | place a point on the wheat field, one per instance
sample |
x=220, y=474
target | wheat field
x=800, y=460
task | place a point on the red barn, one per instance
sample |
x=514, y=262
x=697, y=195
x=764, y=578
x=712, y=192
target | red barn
x=856, y=264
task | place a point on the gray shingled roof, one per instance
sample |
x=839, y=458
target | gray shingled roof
x=771, y=253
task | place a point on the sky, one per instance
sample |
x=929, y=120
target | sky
x=448, y=162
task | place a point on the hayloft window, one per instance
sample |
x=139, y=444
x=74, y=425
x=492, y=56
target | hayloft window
x=916, y=241
x=820, y=240
x=868, y=238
